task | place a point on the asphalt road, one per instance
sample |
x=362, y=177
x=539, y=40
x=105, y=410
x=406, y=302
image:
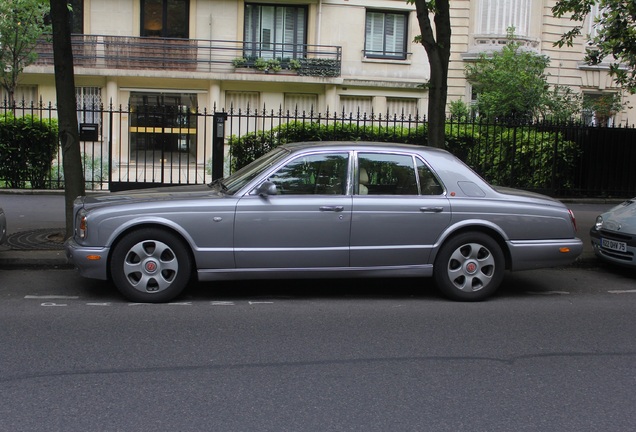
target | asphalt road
x=553, y=351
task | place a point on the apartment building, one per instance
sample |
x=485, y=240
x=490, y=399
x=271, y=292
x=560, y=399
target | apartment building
x=345, y=56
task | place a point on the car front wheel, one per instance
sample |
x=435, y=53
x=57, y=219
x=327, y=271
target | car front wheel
x=469, y=267
x=150, y=266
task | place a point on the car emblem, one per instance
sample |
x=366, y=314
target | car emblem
x=151, y=266
x=471, y=268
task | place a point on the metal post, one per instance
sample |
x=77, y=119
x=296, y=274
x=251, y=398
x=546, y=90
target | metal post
x=218, y=144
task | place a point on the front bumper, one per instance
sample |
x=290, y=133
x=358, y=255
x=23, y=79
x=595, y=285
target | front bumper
x=90, y=262
x=624, y=258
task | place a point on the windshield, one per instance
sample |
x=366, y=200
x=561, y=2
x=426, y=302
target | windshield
x=236, y=181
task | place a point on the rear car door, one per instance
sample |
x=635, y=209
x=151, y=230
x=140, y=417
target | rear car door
x=399, y=210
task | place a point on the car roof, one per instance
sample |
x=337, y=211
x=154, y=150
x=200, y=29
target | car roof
x=359, y=145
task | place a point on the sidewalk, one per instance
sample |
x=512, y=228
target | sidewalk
x=36, y=221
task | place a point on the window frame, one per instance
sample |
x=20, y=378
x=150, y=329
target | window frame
x=254, y=47
x=164, y=32
x=384, y=54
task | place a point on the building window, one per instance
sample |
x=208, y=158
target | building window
x=401, y=108
x=496, y=16
x=89, y=104
x=77, y=16
x=275, y=31
x=301, y=104
x=356, y=106
x=23, y=96
x=165, y=18
x=599, y=109
x=385, y=35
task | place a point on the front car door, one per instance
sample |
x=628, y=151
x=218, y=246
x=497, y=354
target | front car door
x=399, y=211
x=306, y=224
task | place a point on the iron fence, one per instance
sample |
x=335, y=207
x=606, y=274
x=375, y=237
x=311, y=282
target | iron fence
x=126, y=148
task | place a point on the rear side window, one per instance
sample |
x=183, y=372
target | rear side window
x=386, y=174
x=429, y=184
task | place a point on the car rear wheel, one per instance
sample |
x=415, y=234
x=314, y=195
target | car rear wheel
x=151, y=266
x=469, y=267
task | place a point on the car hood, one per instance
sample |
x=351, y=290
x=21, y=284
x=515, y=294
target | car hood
x=171, y=193
x=622, y=217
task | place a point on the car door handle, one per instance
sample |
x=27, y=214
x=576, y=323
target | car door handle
x=332, y=208
x=431, y=209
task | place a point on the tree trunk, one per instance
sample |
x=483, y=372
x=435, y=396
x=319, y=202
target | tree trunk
x=437, y=46
x=66, y=108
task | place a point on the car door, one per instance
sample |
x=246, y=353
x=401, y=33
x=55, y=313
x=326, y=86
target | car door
x=306, y=224
x=399, y=211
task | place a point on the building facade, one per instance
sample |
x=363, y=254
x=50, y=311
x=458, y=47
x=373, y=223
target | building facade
x=346, y=56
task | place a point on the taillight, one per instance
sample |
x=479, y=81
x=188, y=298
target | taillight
x=82, y=226
x=573, y=219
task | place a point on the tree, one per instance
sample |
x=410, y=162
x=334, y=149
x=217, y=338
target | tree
x=614, y=36
x=512, y=84
x=437, y=43
x=67, y=109
x=22, y=23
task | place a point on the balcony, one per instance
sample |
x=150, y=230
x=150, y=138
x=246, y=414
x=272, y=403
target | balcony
x=197, y=55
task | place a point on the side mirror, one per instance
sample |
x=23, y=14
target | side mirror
x=266, y=188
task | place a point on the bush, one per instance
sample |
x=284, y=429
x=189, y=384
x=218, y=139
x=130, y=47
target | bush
x=96, y=171
x=28, y=146
x=521, y=156
x=249, y=147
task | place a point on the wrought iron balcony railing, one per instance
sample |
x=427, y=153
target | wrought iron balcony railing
x=128, y=52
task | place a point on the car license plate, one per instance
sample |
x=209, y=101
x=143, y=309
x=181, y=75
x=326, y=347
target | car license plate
x=614, y=245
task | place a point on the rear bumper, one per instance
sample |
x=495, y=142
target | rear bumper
x=89, y=262
x=533, y=254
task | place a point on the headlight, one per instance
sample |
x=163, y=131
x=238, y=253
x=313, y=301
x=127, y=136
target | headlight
x=599, y=223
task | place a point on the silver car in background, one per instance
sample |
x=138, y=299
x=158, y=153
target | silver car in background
x=3, y=227
x=318, y=210
x=613, y=235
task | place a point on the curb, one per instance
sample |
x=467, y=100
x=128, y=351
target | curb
x=29, y=259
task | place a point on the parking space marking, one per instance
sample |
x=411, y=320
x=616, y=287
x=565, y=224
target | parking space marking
x=622, y=291
x=51, y=297
x=548, y=292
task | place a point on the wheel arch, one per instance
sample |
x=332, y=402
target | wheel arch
x=490, y=231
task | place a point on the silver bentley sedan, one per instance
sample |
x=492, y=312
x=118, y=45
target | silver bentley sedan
x=320, y=210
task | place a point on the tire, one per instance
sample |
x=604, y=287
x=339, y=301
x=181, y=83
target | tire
x=469, y=267
x=150, y=266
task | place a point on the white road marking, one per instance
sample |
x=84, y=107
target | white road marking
x=221, y=303
x=549, y=292
x=51, y=297
x=52, y=304
x=622, y=291
x=260, y=302
x=98, y=304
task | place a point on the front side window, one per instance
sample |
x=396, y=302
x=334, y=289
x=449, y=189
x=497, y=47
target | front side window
x=385, y=35
x=319, y=174
x=165, y=18
x=275, y=32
